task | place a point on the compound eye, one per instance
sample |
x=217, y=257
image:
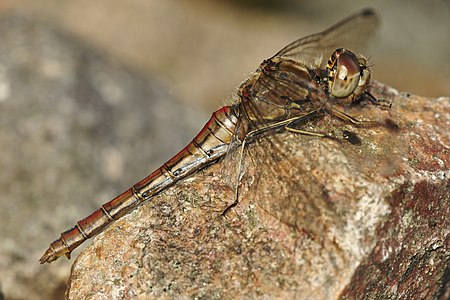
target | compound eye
x=347, y=76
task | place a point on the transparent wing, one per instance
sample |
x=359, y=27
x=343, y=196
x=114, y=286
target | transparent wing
x=353, y=33
x=273, y=172
x=274, y=178
x=270, y=175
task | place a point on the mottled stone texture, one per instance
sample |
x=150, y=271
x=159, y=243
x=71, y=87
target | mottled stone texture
x=359, y=218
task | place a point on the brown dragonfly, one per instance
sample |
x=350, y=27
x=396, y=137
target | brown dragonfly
x=300, y=82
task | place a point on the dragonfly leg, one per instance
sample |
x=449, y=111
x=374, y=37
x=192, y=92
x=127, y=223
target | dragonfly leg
x=308, y=115
x=241, y=159
x=305, y=132
x=343, y=116
x=311, y=133
x=239, y=173
x=378, y=102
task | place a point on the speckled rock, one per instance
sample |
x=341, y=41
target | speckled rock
x=362, y=217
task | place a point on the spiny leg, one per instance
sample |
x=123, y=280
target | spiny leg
x=238, y=176
x=305, y=132
x=289, y=128
x=343, y=116
x=241, y=159
x=379, y=102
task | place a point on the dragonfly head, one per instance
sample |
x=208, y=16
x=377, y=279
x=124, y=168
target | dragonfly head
x=348, y=75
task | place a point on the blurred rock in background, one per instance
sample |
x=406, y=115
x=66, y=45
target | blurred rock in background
x=76, y=128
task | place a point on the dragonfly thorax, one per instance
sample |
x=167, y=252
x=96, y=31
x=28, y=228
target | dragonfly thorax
x=279, y=87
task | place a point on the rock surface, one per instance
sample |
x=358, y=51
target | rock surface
x=363, y=217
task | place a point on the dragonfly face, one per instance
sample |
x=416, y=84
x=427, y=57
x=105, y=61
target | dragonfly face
x=348, y=75
x=332, y=51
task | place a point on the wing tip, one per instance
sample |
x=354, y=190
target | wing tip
x=370, y=13
x=367, y=12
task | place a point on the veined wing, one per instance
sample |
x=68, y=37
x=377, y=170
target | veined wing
x=353, y=33
x=267, y=88
x=261, y=97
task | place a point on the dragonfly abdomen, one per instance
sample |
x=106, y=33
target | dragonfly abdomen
x=210, y=144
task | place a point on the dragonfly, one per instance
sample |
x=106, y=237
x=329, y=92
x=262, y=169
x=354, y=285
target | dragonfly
x=303, y=81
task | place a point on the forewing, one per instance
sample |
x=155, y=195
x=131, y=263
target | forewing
x=265, y=165
x=274, y=180
x=353, y=33
x=266, y=172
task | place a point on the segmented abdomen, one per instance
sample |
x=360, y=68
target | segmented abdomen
x=207, y=147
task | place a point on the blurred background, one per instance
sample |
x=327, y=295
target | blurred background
x=94, y=95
